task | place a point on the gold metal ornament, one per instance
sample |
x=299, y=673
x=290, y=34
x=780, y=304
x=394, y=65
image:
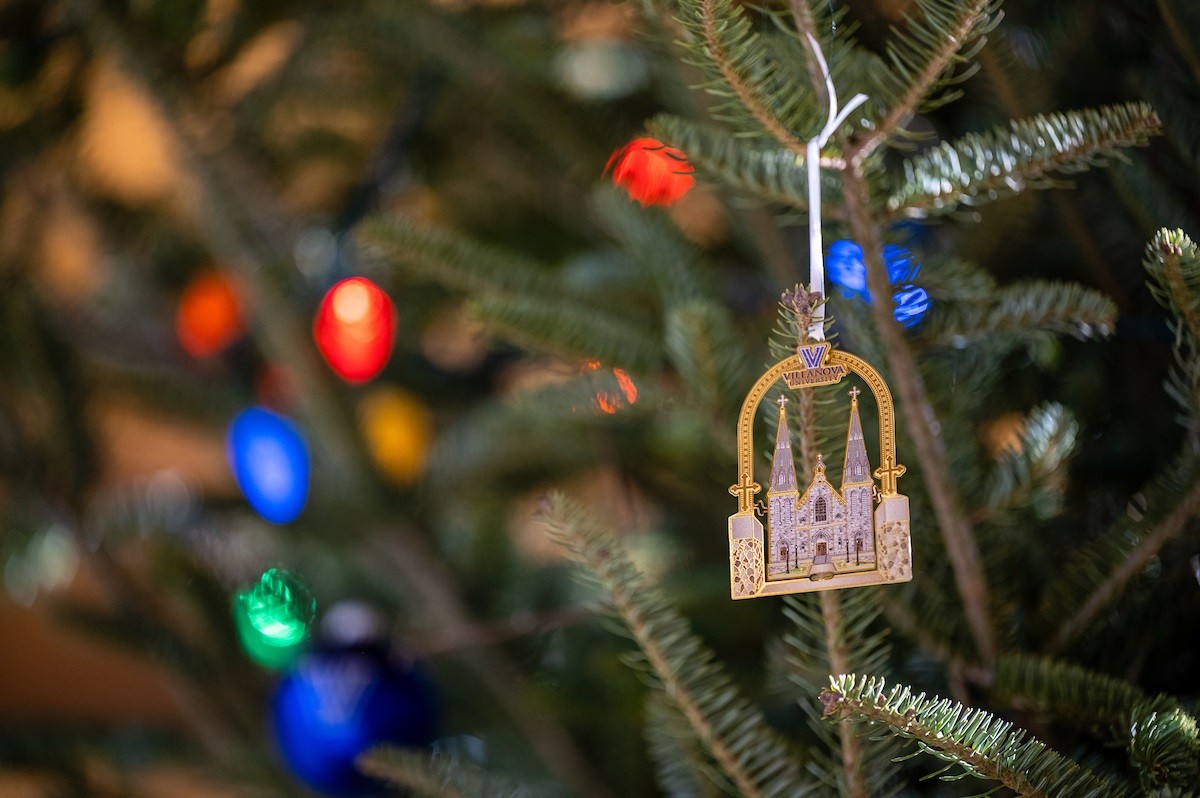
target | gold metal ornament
x=819, y=537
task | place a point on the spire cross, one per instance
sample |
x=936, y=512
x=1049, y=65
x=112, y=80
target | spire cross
x=781, y=401
x=745, y=490
x=854, y=392
x=888, y=473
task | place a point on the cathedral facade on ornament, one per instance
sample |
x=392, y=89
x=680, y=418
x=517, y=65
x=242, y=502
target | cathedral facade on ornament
x=824, y=530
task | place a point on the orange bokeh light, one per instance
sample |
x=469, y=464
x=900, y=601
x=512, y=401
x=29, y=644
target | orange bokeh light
x=209, y=316
x=610, y=401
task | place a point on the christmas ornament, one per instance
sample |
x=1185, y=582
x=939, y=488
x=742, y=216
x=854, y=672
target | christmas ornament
x=355, y=329
x=651, y=172
x=273, y=618
x=818, y=537
x=209, y=316
x=270, y=463
x=611, y=395
x=340, y=701
x=848, y=270
x=398, y=429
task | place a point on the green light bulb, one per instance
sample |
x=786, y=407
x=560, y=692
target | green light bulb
x=273, y=618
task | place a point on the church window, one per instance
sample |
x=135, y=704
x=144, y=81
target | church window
x=820, y=511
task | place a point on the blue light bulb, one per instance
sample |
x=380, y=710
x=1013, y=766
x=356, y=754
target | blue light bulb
x=847, y=269
x=911, y=305
x=270, y=462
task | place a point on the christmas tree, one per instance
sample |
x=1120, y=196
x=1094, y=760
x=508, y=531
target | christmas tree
x=341, y=339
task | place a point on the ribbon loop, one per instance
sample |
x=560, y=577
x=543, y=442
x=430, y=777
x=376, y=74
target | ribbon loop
x=834, y=120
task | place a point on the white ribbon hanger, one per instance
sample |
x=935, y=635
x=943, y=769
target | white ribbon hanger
x=816, y=254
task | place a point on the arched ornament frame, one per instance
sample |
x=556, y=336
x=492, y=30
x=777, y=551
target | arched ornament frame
x=815, y=365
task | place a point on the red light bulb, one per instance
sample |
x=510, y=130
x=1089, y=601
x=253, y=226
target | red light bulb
x=355, y=329
x=651, y=172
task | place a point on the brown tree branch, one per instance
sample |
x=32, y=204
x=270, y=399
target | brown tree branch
x=1182, y=41
x=1127, y=569
x=802, y=16
x=831, y=605
x=835, y=645
x=922, y=423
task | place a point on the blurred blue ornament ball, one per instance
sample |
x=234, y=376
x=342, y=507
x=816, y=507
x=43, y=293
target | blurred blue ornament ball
x=847, y=269
x=270, y=463
x=339, y=702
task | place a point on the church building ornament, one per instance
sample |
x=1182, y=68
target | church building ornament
x=821, y=538
x=817, y=536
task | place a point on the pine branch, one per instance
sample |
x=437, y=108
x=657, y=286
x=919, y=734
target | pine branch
x=704, y=350
x=922, y=59
x=654, y=244
x=1172, y=499
x=915, y=409
x=438, y=777
x=822, y=639
x=752, y=82
x=1096, y=577
x=1069, y=693
x=569, y=330
x=982, y=745
x=770, y=173
x=731, y=729
x=1019, y=312
x=523, y=435
x=682, y=769
x=1173, y=263
x=1034, y=474
x=451, y=259
x=1162, y=739
x=981, y=167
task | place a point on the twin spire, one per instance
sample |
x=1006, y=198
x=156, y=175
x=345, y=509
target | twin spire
x=856, y=470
